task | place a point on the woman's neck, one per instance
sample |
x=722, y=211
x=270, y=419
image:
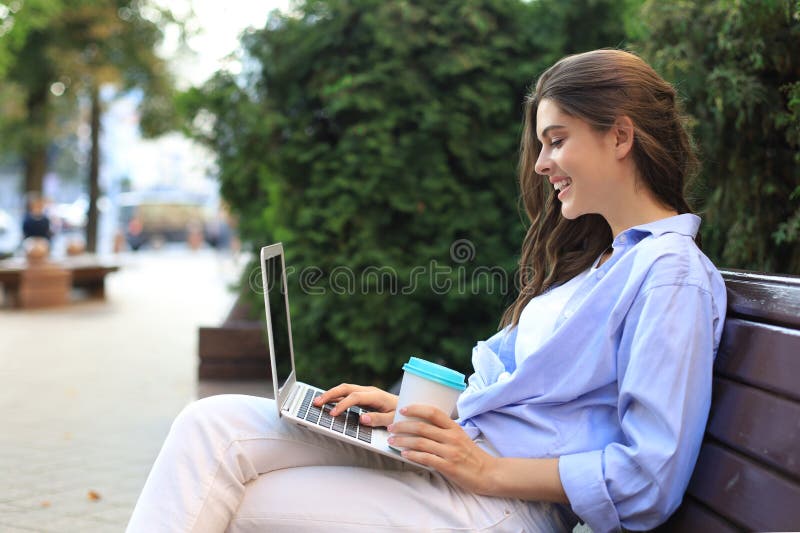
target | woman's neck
x=634, y=206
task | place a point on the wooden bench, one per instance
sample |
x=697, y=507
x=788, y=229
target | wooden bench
x=88, y=273
x=748, y=473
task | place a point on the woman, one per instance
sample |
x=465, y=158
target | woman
x=589, y=403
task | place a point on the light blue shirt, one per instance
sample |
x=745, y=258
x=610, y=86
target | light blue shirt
x=620, y=392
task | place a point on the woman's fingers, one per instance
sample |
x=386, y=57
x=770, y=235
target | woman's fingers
x=429, y=430
x=419, y=444
x=425, y=459
x=354, y=398
x=347, y=395
x=336, y=393
x=434, y=416
x=420, y=429
x=377, y=419
x=432, y=439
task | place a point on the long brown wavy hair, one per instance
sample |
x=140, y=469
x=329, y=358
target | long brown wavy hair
x=597, y=87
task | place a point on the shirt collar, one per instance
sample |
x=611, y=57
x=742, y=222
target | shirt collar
x=685, y=224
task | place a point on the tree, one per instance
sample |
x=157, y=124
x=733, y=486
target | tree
x=20, y=61
x=378, y=141
x=17, y=20
x=738, y=67
x=114, y=43
x=90, y=43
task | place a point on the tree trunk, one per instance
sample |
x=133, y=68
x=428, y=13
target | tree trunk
x=35, y=167
x=35, y=154
x=94, y=173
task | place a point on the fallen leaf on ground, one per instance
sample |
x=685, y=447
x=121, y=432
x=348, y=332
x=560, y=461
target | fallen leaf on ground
x=45, y=504
x=94, y=496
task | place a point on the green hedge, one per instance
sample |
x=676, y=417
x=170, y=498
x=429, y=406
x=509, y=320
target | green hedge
x=738, y=66
x=378, y=140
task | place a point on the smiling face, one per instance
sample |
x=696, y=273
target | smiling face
x=580, y=162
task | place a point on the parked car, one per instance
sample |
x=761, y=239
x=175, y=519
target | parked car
x=154, y=217
x=71, y=216
x=10, y=234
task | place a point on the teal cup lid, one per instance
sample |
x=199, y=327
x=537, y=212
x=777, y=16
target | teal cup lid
x=437, y=373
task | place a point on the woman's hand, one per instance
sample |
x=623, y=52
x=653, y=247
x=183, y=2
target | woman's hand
x=440, y=443
x=346, y=395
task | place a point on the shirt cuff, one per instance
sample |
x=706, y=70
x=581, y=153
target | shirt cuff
x=583, y=481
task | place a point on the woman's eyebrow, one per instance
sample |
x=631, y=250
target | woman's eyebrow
x=551, y=127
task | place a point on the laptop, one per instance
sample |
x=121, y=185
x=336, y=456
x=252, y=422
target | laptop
x=294, y=398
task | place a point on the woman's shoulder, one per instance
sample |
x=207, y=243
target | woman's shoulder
x=675, y=259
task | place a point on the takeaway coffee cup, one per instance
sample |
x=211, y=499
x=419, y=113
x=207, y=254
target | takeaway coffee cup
x=429, y=384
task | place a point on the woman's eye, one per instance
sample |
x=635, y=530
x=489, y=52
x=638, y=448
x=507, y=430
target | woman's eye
x=556, y=142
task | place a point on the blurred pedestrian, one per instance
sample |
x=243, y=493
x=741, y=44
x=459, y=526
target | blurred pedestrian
x=36, y=223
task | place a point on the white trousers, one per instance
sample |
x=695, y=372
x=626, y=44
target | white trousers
x=230, y=464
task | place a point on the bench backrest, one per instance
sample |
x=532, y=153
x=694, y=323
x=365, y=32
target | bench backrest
x=748, y=473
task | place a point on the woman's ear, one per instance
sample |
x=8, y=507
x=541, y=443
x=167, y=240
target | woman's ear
x=623, y=132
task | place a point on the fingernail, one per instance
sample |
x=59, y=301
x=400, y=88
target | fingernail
x=390, y=440
x=365, y=419
x=390, y=427
x=404, y=410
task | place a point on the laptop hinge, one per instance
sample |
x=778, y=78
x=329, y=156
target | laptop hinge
x=295, y=397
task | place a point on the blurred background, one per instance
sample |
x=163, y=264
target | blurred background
x=166, y=141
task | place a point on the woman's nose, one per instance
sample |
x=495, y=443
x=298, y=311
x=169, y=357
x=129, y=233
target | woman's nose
x=543, y=163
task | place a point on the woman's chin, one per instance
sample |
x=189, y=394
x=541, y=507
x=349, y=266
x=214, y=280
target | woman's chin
x=569, y=213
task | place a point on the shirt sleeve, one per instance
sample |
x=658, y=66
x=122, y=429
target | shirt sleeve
x=664, y=365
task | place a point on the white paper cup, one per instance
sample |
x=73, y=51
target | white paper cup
x=428, y=384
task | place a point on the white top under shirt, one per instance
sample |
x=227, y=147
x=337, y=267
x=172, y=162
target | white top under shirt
x=538, y=319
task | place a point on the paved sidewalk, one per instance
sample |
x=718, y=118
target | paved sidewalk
x=89, y=391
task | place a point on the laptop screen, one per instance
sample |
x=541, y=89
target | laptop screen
x=278, y=308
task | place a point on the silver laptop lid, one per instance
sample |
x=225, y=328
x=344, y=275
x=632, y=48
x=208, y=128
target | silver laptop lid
x=279, y=327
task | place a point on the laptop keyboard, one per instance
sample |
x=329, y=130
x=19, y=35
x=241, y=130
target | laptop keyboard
x=345, y=423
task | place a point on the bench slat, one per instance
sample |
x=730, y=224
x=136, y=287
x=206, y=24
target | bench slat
x=92, y=273
x=759, y=424
x=692, y=516
x=744, y=491
x=761, y=355
x=768, y=298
